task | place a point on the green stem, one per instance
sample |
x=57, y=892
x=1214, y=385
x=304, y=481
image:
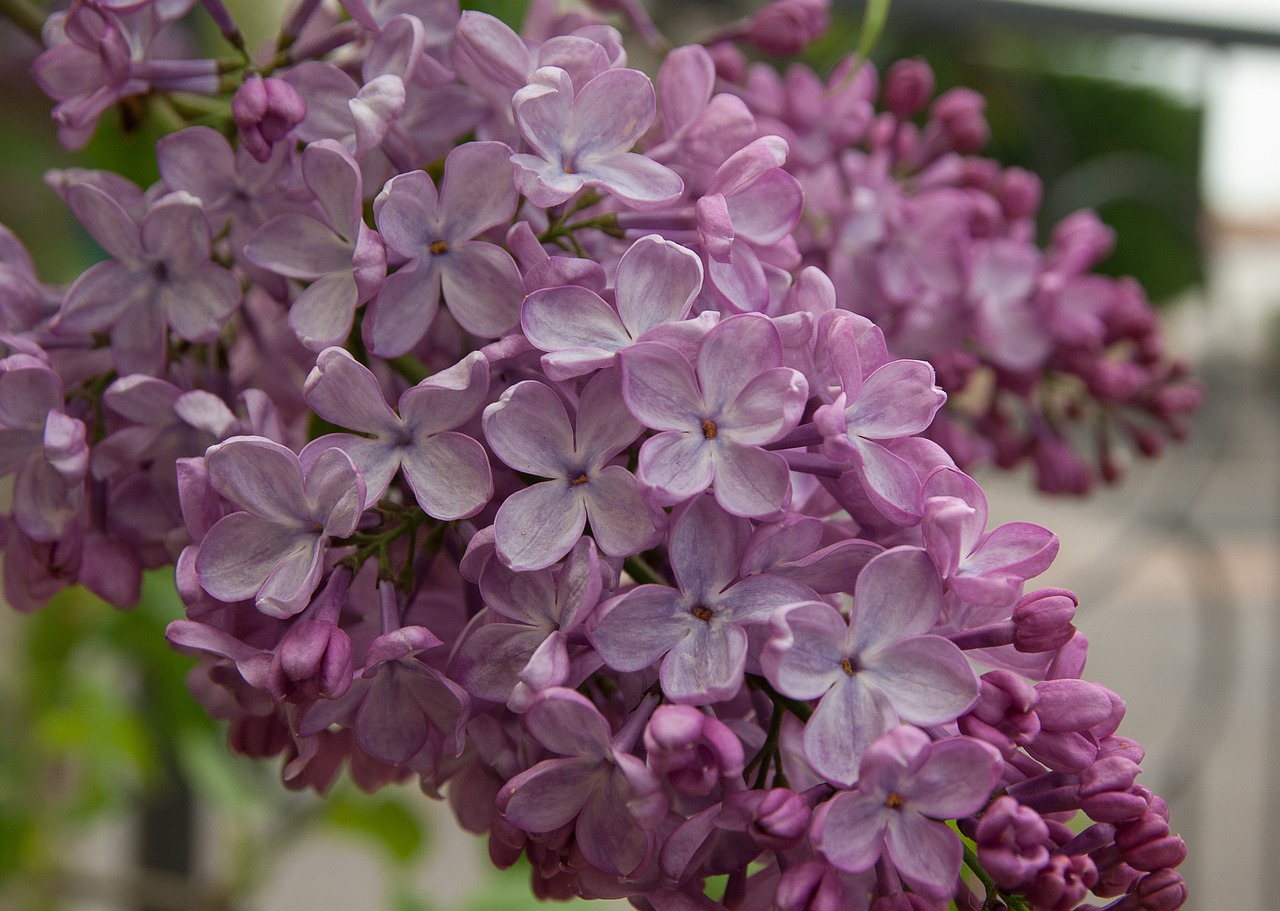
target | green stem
x=996, y=899
x=409, y=367
x=25, y=16
x=800, y=709
x=642, y=572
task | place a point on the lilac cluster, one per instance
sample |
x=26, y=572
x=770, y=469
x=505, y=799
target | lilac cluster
x=651, y=567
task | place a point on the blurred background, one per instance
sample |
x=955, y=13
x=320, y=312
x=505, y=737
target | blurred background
x=117, y=793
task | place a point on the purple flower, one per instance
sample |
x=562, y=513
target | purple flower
x=160, y=274
x=41, y=446
x=273, y=550
x=585, y=140
x=265, y=110
x=529, y=429
x=609, y=796
x=879, y=667
x=436, y=233
x=656, y=283
x=714, y=421
x=696, y=629
x=356, y=116
x=447, y=471
x=903, y=781
x=343, y=259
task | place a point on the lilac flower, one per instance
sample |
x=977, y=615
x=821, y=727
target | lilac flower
x=437, y=233
x=399, y=706
x=585, y=140
x=44, y=448
x=512, y=661
x=610, y=797
x=656, y=284
x=903, y=781
x=160, y=274
x=697, y=628
x=273, y=549
x=529, y=429
x=343, y=259
x=447, y=471
x=987, y=568
x=713, y=422
x=356, y=116
x=880, y=667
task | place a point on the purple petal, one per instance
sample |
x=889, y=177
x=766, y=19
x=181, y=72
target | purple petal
x=489, y=662
x=544, y=112
x=571, y=317
x=322, y=314
x=106, y=221
x=767, y=407
x=749, y=339
x=675, y=466
x=659, y=387
x=298, y=246
x=528, y=428
x=482, y=287
x=612, y=112
x=606, y=831
x=704, y=572
x=852, y=831
x=447, y=399
x=806, y=646
x=334, y=177
x=449, y=474
x=640, y=182
x=899, y=595
x=404, y=310
x=288, y=589
x=478, y=189
x=957, y=779
x=345, y=392
x=927, y=679
x=549, y=795
x=260, y=476
x=656, y=283
x=749, y=481
x=100, y=296
x=537, y=526
x=241, y=551
x=408, y=213
x=926, y=854
x=604, y=426
x=198, y=305
x=890, y=482
x=849, y=717
x=567, y=723
x=176, y=232
x=898, y=400
x=620, y=521
x=640, y=627
x=374, y=110
x=706, y=665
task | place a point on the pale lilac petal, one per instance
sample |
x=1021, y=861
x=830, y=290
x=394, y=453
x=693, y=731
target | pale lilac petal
x=197, y=306
x=288, y=589
x=766, y=213
x=767, y=407
x=478, y=189
x=323, y=313
x=544, y=111
x=675, y=466
x=852, y=833
x=948, y=482
x=404, y=310
x=334, y=177
x=482, y=287
x=528, y=428
x=572, y=317
x=1020, y=548
x=176, y=232
x=847, y=720
x=43, y=502
x=755, y=598
x=807, y=644
x=749, y=481
x=106, y=221
x=298, y=246
x=899, y=595
x=377, y=460
x=926, y=679
x=260, y=476
x=749, y=339
x=447, y=399
x=890, y=481
x=740, y=280
x=198, y=160
x=489, y=662
x=604, y=426
x=549, y=795
x=706, y=665
x=240, y=552
x=449, y=474
x=659, y=387
x=704, y=572
x=526, y=597
x=545, y=183
x=567, y=723
x=619, y=518
x=715, y=227
x=656, y=283
x=374, y=110
x=926, y=854
x=898, y=400
x=957, y=779
x=345, y=392
x=611, y=113
x=335, y=492
x=745, y=167
x=640, y=182
x=385, y=724
x=685, y=83
x=408, y=213
x=537, y=526
x=138, y=339
x=607, y=834
x=638, y=629
x=99, y=297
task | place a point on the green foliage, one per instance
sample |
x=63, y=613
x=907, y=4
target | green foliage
x=388, y=823
x=509, y=11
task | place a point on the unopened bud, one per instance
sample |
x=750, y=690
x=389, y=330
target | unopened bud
x=908, y=86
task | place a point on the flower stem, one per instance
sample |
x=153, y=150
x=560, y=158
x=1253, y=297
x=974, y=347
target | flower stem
x=25, y=16
x=642, y=572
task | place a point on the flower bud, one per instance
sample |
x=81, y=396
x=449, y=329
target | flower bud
x=809, y=886
x=265, y=110
x=1019, y=192
x=908, y=86
x=692, y=749
x=1042, y=620
x=1063, y=883
x=1163, y=890
x=1011, y=842
x=313, y=661
x=959, y=112
x=1107, y=790
x=775, y=819
x=787, y=27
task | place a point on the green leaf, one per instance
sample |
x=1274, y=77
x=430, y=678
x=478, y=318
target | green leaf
x=384, y=820
x=874, y=18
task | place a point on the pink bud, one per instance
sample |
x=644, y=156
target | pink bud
x=908, y=86
x=959, y=112
x=787, y=27
x=265, y=110
x=1042, y=620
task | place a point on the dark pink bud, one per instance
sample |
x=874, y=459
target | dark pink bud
x=787, y=27
x=1012, y=842
x=1019, y=192
x=1163, y=890
x=810, y=886
x=1042, y=620
x=1059, y=469
x=313, y=661
x=959, y=112
x=1115, y=880
x=1072, y=705
x=731, y=63
x=1063, y=883
x=908, y=86
x=1107, y=790
x=692, y=749
x=1004, y=714
x=265, y=110
x=775, y=819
